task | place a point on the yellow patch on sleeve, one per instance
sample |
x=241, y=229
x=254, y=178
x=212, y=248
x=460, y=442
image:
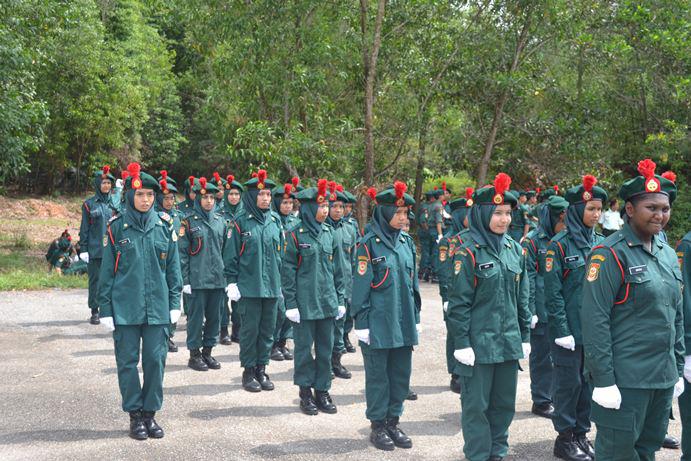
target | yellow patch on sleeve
x=597, y=258
x=182, y=231
x=550, y=252
x=105, y=240
x=593, y=272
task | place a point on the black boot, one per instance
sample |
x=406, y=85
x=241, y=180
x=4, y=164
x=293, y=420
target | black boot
x=284, y=350
x=455, y=384
x=249, y=382
x=397, y=435
x=94, y=319
x=263, y=378
x=324, y=402
x=348, y=345
x=338, y=369
x=235, y=332
x=196, y=362
x=152, y=428
x=546, y=410
x=137, y=427
x=585, y=445
x=671, y=443
x=412, y=395
x=565, y=447
x=209, y=360
x=225, y=337
x=172, y=347
x=307, y=403
x=276, y=354
x=379, y=437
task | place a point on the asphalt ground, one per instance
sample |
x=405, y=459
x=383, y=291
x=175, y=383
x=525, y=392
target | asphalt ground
x=59, y=399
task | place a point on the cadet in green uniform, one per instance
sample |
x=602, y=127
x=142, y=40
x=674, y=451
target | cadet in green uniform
x=96, y=211
x=252, y=259
x=424, y=232
x=447, y=247
x=283, y=205
x=201, y=260
x=531, y=203
x=59, y=252
x=187, y=206
x=564, y=277
x=386, y=309
x=520, y=225
x=314, y=288
x=351, y=220
x=489, y=318
x=139, y=294
x=232, y=204
x=165, y=202
x=552, y=216
x=684, y=256
x=221, y=185
x=633, y=324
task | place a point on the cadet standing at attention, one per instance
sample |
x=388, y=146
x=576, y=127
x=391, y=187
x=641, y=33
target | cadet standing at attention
x=564, y=277
x=552, y=216
x=633, y=324
x=96, y=211
x=314, y=288
x=187, y=206
x=201, y=259
x=386, y=310
x=684, y=256
x=354, y=231
x=519, y=218
x=252, y=258
x=139, y=295
x=489, y=318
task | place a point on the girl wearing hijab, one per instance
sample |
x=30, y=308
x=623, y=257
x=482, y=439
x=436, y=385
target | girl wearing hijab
x=252, y=258
x=489, y=319
x=187, y=206
x=386, y=312
x=139, y=295
x=551, y=221
x=633, y=325
x=564, y=277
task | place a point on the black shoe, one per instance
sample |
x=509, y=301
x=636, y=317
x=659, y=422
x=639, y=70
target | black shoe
x=152, y=428
x=172, y=347
x=235, y=333
x=427, y=275
x=546, y=410
x=496, y=458
x=225, y=337
x=671, y=442
x=566, y=447
x=94, y=319
x=137, y=427
x=412, y=395
x=276, y=354
x=196, y=361
x=397, y=435
x=338, y=369
x=209, y=360
x=263, y=378
x=286, y=353
x=348, y=345
x=585, y=445
x=307, y=403
x=249, y=382
x=324, y=402
x=455, y=384
x=380, y=438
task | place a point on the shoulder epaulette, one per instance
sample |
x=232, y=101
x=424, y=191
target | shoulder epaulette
x=114, y=217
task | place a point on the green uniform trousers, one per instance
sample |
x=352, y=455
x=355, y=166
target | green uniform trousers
x=488, y=403
x=685, y=413
x=93, y=269
x=186, y=300
x=225, y=311
x=230, y=315
x=348, y=325
x=425, y=249
x=450, y=348
x=313, y=370
x=637, y=429
x=387, y=380
x=340, y=332
x=204, y=318
x=571, y=392
x=540, y=361
x=257, y=323
x=284, y=327
x=153, y=340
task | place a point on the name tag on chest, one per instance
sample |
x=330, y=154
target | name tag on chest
x=379, y=260
x=638, y=269
x=542, y=251
x=571, y=259
x=246, y=234
x=485, y=266
x=305, y=245
x=124, y=242
x=195, y=229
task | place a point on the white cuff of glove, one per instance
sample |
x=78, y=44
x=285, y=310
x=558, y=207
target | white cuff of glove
x=293, y=315
x=187, y=289
x=607, y=397
x=678, y=388
x=341, y=312
x=439, y=237
x=233, y=292
x=526, y=349
x=118, y=183
x=363, y=335
x=174, y=315
x=84, y=256
x=107, y=322
x=418, y=328
x=533, y=322
x=687, y=368
x=567, y=342
x=466, y=356
x=445, y=306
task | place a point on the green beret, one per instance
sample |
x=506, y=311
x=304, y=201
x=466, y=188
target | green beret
x=498, y=194
x=351, y=198
x=169, y=180
x=586, y=191
x=218, y=181
x=137, y=179
x=557, y=204
x=649, y=183
x=281, y=191
x=530, y=194
x=202, y=186
x=431, y=193
x=395, y=195
x=169, y=187
x=104, y=173
x=314, y=194
x=545, y=194
x=260, y=182
x=458, y=203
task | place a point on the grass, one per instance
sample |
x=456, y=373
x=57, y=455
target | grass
x=22, y=271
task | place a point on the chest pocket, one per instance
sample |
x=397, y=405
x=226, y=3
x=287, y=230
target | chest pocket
x=487, y=270
x=161, y=254
x=573, y=264
x=381, y=269
x=514, y=270
x=126, y=253
x=197, y=237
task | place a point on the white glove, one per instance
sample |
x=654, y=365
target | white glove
x=567, y=342
x=687, y=368
x=439, y=237
x=533, y=322
x=445, y=306
x=465, y=356
x=418, y=328
x=293, y=315
x=118, y=183
x=678, y=388
x=363, y=335
x=233, y=292
x=608, y=397
x=341, y=312
x=108, y=323
x=174, y=316
x=187, y=289
x=84, y=257
x=526, y=350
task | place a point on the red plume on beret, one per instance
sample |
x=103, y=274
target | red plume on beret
x=372, y=192
x=647, y=168
x=670, y=175
x=254, y=175
x=124, y=174
x=217, y=177
x=556, y=188
x=191, y=180
x=287, y=189
x=588, y=182
x=400, y=188
x=295, y=181
x=537, y=191
x=332, y=191
x=164, y=185
x=106, y=170
x=230, y=178
x=164, y=174
x=134, y=169
x=502, y=181
x=436, y=188
x=321, y=188
x=202, y=183
x=261, y=176
x=443, y=186
x=339, y=187
x=469, y=192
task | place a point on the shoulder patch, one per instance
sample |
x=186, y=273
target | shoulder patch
x=593, y=272
x=165, y=216
x=549, y=263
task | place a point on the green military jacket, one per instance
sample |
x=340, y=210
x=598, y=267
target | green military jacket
x=423, y=216
x=345, y=237
x=519, y=218
x=436, y=216
x=201, y=251
x=95, y=216
x=447, y=248
x=386, y=295
x=313, y=275
x=252, y=255
x=684, y=256
x=186, y=208
x=535, y=245
x=564, y=275
x=488, y=301
x=632, y=314
x=140, y=280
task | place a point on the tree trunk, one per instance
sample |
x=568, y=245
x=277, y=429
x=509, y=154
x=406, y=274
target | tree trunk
x=421, y=148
